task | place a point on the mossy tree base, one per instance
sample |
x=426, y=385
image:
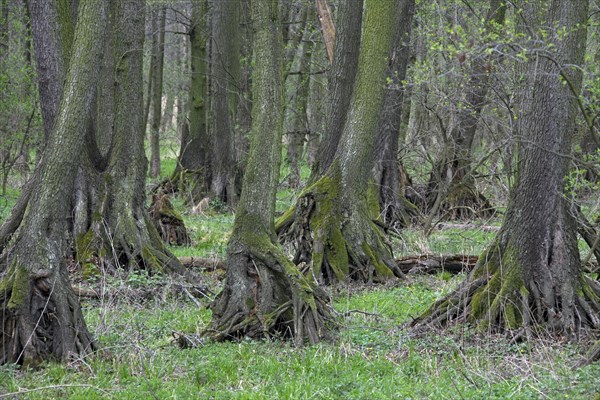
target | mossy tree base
x=125, y=237
x=167, y=221
x=266, y=296
x=497, y=296
x=336, y=245
x=41, y=316
x=461, y=202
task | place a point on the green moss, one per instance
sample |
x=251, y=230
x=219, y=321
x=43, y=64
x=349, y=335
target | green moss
x=151, y=260
x=85, y=247
x=337, y=254
x=250, y=303
x=373, y=200
x=502, y=294
x=382, y=270
x=20, y=286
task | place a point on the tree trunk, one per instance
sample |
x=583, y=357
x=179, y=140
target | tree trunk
x=318, y=98
x=332, y=226
x=341, y=81
x=120, y=232
x=396, y=211
x=295, y=120
x=451, y=179
x=244, y=101
x=264, y=293
x=192, y=172
x=3, y=31
x=158, y=53
x=42, y=317
x=52, y=31
x=223, y=157
x=531, y=277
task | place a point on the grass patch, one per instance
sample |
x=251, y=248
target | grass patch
x=374, y=357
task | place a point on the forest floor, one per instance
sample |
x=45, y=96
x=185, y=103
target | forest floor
x=137, y=319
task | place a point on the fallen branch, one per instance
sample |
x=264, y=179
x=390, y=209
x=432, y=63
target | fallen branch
x=430, y=264
x=484, y=228
x=202, y=263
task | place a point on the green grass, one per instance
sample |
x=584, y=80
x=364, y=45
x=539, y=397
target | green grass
x=373, y=357
x=7, y=202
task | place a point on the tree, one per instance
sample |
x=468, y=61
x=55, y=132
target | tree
x=332, y=226
x=192, y=172
x=531, y=275
x=264, y=293
x=395, y=210
x=224, y=28
x=341, y=81
x=41, y=315
x=297, y=84
x=157, y=66
x=452, y=185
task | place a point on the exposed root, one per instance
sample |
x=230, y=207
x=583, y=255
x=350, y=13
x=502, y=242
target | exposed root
x=41, y=318
x=496, y=297
x=460, y=202
x=132, y=244
x=333, y=245
x=167, y=221
x=266, y=296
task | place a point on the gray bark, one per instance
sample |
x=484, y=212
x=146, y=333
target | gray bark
x=223, y=157
x=157, y=89
x=36, y=285
x=341, y=80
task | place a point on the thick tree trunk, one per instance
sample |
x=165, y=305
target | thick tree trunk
x=52, y=31
x=192, y=172
x=224, y=21
x=531, y=276
x=158, y=53
x=295, y=120
x=341, y=82
x=396, y=210
x=42, y=317
x=264, y=293
x=244, y=100
x=121, y=233
x=332, y=227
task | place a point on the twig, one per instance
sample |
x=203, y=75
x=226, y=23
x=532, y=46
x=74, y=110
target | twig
x=51, y=387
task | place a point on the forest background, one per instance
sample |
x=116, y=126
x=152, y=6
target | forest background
x=294, y=198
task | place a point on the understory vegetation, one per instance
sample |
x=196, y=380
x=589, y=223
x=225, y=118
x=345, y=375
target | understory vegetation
x=149, y=329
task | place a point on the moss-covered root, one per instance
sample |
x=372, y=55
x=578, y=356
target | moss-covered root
x=133, y=244
x=334, y=245
x=495, y=297
x=167, y=221
x=592, y=355
x=266, y=296
x=462, y=201
x=41, y=318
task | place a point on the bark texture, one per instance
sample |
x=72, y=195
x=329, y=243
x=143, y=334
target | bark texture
x=192, y=172
x=224, y=20
x=158, y=57
x=452, y=188
x=264, y=293
x=396, y=210
x=531, y=277
x=333, y=225
x=341, y=81
x=41, y=316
